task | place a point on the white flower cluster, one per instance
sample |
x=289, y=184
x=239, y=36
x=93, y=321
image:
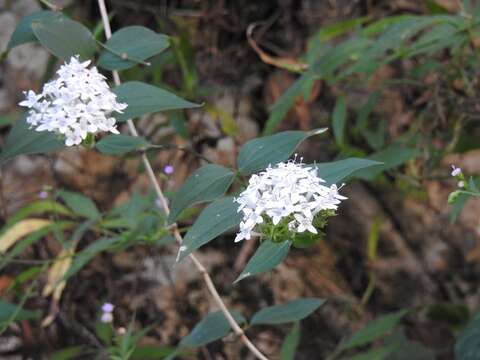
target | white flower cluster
x=77, y=103
x=288, y=190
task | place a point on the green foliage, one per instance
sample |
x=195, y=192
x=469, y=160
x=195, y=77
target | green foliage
x=339, y=119
x=292, y=311
x=83, y=257
x=207, y=183
x=403, y=348
x=23, y=141
x=376, y=354
x=23, y=32
x=71, y=352
x=130, y=45
x=373, y=330
x=268, y=255
x=290, y=344
x=214, y=220
x=10, y=312
x=80, y=204
x=258, y=153
x=336, y=171
x=143, y=99
x=65, y=38
x=120, y=144
x=467, y=346
x=213, y=327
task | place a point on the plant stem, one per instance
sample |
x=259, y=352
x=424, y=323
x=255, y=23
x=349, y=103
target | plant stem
x=206, y=277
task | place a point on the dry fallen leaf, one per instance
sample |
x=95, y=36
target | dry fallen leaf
x=55, y=284
x=19, y=230
x=57, y=272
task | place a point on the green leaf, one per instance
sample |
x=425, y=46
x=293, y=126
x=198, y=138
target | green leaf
x=206, y=184
x=391, y=157
x=292, y=311
x=457, y=203
x=258, y=153
x=23, y=32
x=30, y=239
x=373, y=330
x=120, y=144
x=80, y=205
x=14, y=313
x=23, y=141
x=213, y=327
x=339, y=119
x=336, y=171
x=214, y=220
x=39, y=207
x=290, y=344
x=134, y=43
x=268, y=255
x=144, y=99
x=285, y=102
x=407, y=349
x=467, y=346
x=143, y=352
x=65, y=38
x=68, y=353
x=377, y=354
x=83, y=257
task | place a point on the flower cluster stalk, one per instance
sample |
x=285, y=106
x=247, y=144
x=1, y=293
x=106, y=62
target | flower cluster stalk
x=178, y=237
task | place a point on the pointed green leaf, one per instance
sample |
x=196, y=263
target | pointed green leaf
x=83, y=257
x=131, y=42
x=214, y=220
x=120, y=144
x=336, y=171
x=10, y=311
x=376, y=354
x=339, y=118
x=206, y=184
x=213, y=327
x=390, y=157
x=144, y=99
x=373, y=330
x=65, y=38
x=268, y=255
x=292, y=311
x=285, y=102
x=23, y=32
x=23, y=141
x=258, y=153
x=80, y=205
x=290, y=344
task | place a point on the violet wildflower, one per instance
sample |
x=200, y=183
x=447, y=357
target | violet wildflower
x=168, y=169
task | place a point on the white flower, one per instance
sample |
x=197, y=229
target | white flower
x=456, y=171
x=77, y=103
x=289, y=190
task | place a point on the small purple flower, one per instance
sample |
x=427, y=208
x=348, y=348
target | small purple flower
x=168, y=169
x=106, y=318
x=456, y=171
x=107, y=308
x=43, y=194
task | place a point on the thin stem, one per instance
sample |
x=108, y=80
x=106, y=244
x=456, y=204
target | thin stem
x=51, y=6
x=206, y=277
